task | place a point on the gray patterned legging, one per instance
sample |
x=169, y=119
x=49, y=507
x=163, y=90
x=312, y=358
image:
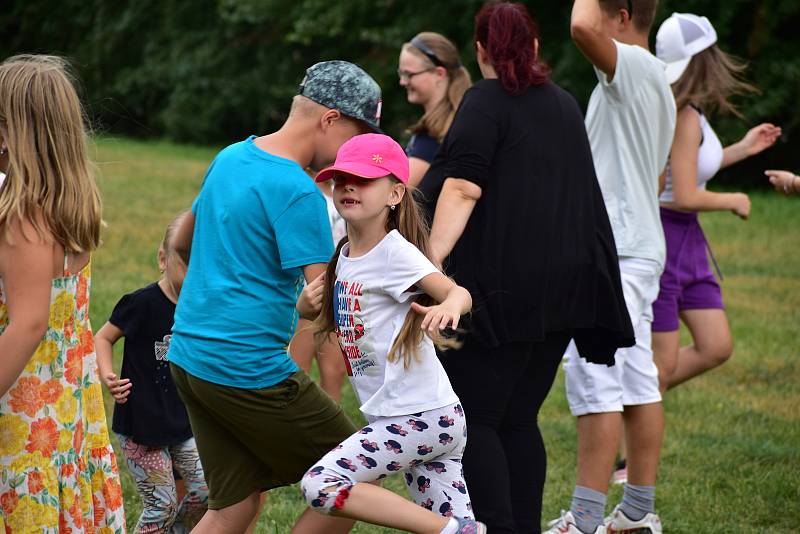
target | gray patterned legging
x=151, y=468
x=427, y=447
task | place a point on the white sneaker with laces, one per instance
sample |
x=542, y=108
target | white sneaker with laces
x=619, y=523
x=566, y=525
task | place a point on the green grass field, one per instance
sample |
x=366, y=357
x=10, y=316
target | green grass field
x=731, y=456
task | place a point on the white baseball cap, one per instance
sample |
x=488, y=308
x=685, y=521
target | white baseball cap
x=680, y=37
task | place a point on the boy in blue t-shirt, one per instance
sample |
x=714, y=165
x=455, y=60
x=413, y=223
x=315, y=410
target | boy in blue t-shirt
x=258, y=227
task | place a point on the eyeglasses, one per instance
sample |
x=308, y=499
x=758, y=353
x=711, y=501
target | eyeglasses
x=630, y=9
x=405, y=75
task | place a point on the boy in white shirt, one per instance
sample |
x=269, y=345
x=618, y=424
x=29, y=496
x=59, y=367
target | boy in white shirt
x=630, y=122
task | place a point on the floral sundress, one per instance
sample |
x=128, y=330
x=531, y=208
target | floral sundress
x=58, y=472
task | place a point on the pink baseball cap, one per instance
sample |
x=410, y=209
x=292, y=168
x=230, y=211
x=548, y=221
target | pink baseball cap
x=369, y=156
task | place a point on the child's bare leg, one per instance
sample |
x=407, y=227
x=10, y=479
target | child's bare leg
x=379, y=506
x=252, y=528
x=331, y=368
x=311, y=522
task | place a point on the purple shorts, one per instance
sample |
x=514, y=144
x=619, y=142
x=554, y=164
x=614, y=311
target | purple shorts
x=687, y=283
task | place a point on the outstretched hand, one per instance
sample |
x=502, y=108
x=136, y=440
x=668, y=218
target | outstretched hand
x=310, y=302
x=439, y=316
x=760, y=138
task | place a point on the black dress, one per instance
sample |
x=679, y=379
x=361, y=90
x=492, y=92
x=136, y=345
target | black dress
x=537, y=254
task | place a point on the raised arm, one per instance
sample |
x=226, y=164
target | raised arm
x=586, y=29
x=755, y=141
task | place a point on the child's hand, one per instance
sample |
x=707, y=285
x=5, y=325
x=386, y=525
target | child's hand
x=310, y=302
x=440, y=316
x=119, y=388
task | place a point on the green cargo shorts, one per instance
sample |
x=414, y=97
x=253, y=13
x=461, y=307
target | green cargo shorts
x=258, y=439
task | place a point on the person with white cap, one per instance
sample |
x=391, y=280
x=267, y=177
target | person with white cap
x=630, y=121
x=703, y=79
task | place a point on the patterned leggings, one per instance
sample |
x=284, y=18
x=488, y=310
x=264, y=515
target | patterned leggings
x=152, y=469
x=426, y=446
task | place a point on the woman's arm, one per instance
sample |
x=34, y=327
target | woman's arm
x=453, y=209
x=104, y=341
x=683, y=164
x=26, y=267
x=454, y=301
x=417, y=167
x=755, y=141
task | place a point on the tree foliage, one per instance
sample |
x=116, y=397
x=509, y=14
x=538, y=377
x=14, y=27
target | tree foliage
x=212, y=71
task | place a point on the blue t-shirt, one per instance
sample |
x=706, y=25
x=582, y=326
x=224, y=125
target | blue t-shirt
x=422, y=146
x=258, y=220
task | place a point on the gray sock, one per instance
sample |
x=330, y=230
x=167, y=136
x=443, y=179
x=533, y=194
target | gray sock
x=588, y=507
x=638, y=501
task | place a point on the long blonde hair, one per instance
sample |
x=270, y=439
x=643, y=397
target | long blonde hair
x=709, y=81
x=49, y=182
x=437, y=121
x=408, y=220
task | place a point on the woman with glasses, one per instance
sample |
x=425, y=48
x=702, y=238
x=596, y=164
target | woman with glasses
x=430, y=69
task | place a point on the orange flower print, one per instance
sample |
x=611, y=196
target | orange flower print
x=76, y=511
x=99, y=511
x=74, y=365
x=82, y=293
x=77, y=442
x=63, y=527
x=35, y=484
x=25, y=397
x=67, y=470
x=112, y=492
x=69, y=329
x=50, y=391
x=87, y=341
x=9, y=501
x=43, y=437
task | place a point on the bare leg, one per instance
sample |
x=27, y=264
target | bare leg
x=311, y=522
x=644, y=430
x=379, y=506
x=261, y=498
x=666, y=346
x=331, y=368
x=712, y=346
x=598, y=439
x=233, y=519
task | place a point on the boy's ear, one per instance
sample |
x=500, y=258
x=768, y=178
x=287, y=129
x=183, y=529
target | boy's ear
x=329, y=118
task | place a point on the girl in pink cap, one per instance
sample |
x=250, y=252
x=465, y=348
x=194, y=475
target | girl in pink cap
x=381, y=294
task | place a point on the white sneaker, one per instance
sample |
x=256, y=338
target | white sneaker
x=619, y=523
x=566, y=525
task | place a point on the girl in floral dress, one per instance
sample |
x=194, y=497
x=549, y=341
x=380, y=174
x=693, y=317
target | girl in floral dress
x=58, y=472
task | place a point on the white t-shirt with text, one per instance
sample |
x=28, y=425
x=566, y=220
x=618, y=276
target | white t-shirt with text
x=631, y=123
x=372, y=296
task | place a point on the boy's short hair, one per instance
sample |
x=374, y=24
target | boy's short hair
x=644, y=11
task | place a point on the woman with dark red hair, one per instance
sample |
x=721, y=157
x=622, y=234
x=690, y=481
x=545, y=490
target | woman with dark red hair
x=519, y=220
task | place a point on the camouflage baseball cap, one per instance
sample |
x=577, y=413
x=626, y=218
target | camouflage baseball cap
x=346, y=87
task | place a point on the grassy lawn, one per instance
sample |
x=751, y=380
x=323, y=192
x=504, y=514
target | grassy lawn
x=731, y=456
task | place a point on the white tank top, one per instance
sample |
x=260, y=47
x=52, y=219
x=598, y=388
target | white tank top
x=709, y=160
